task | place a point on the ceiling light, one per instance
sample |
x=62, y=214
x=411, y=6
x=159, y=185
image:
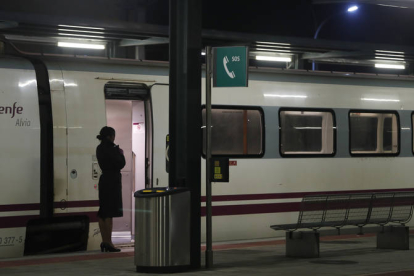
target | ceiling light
x=273, y=43
x=389, y=66
x=81, y=27
x=390, y=58
x=81, y=45
x=273, y=50
x=267, y=58
x=392, y=6
x=80, y=31
x=389, y=55
x=392, y=52
x=88, y=36
x=352, y=9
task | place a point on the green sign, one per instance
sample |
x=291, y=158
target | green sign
x=230, y=66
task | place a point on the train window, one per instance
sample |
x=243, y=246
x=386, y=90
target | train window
x=235, y=131
x=306, y=133
x=120, y=90
x=412, y=129
x=374, y=133
x=364, y=130
x=387, y=142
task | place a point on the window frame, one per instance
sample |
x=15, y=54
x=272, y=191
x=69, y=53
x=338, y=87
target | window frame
x=412, y=133
x=310, y=155
x=237, y=107
x=375, y=154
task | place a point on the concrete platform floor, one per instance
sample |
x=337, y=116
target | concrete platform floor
x=343, y=255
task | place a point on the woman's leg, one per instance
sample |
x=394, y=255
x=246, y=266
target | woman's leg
x=106, y=231
x=103, y=226
x=110, y=227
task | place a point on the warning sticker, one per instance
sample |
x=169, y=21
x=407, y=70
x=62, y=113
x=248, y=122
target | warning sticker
x=218, y=176
x=219, y=170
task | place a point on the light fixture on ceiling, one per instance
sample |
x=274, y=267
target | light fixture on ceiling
x=80, y=27
x=352, y=9
x=389, y=52
x=390, y=66
x=269, y=58
x=275, y=50
x=390, y=58
x=273, y=43
x=80, y=31
x=82, y=35
x=81, y=45
x=392, y=6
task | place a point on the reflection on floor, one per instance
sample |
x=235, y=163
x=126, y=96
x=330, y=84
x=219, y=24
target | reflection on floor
x=355, y=256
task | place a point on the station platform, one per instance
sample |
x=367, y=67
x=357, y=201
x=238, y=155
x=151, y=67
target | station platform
x=340, y=255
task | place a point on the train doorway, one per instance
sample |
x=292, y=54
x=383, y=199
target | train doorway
x=127, y=117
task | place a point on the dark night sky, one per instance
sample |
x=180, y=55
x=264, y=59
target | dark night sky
x=371, y=23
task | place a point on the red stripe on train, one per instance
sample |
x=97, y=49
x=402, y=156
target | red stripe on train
x=21, y=221
x=75, y=204
x=95, y=203
x=229, y=210
x=19, y=207
x=295, y=195
x=61, y=204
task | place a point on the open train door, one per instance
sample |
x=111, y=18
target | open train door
x=159, y=109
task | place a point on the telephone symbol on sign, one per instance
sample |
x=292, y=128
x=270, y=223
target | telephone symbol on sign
x=231, y=74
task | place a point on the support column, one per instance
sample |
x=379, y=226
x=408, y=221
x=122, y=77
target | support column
x=140, y=52
x=394, y=237
x=185, y=110
x=302, y=244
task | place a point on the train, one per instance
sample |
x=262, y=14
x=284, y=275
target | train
x=288, y=134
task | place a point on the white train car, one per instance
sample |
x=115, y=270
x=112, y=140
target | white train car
x=288, y=134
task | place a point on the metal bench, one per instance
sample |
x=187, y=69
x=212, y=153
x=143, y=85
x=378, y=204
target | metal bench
x=340, y=210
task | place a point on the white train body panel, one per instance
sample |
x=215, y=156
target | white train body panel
x=20, y=153
x=282, y=178
x=261, y=192
x=85, y=116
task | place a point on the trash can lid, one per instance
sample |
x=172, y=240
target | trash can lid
x=157, y=192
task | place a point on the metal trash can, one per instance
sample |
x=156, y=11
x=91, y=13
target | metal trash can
x=162, y=230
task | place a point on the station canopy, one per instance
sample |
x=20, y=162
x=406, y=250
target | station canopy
x=35, y=30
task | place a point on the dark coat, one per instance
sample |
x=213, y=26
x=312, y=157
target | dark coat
x=111, y=160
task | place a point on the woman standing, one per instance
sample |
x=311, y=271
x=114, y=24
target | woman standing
x=111, y=160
